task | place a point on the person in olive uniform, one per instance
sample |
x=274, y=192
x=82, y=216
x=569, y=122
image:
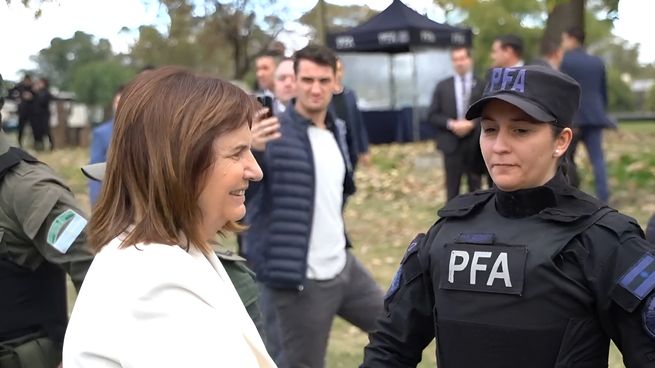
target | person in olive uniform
x=531, y=273
x=235, y=266
x=42, y=238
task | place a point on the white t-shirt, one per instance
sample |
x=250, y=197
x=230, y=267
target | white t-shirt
x=327, y=241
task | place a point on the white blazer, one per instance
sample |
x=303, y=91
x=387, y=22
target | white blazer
x=158, y=305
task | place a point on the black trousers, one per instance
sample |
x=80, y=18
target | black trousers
x=23, y=121
x=458, y=164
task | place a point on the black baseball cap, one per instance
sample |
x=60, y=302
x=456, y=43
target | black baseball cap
x=545, y=94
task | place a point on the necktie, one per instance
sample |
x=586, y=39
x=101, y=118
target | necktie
x=464, y=97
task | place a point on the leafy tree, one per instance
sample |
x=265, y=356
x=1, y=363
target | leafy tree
x=224, y=39
x=334, y=17
x=530, y=19
x=489, y=19
x=84, y=65
x=563, y=14
x=619, y=95
x=59, y=61
x=245, y=33
x=94, y=83
x=178, y=46
x=649, y=104
x=620, y=54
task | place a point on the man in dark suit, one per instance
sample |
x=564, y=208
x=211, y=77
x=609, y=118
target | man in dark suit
x=457, y=138
x=591, y=119
x=507, y=51
x=551, y=54
x=344, y=106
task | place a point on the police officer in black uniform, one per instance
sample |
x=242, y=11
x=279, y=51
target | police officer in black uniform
x=41, y=239
x=531, y=273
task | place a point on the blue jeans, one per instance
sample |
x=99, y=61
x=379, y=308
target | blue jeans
x=592, y=137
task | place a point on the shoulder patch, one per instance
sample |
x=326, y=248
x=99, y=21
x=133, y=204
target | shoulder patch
x=648, y=316
x=412, y=247
x=639, y=280
x=395, y=284
x=397, y=277
x=64, y=229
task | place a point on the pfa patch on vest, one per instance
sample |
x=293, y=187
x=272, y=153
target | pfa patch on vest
x=483, y=268
x=639, y=280
x=64, y=229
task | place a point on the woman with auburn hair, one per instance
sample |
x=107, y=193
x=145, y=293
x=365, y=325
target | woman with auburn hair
x=178, y=167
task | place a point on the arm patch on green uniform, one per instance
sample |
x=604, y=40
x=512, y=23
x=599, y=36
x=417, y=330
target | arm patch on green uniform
x=64, y=229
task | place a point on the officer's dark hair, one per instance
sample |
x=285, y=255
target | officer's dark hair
x=549, y=47
x=318, y=54
x=513, y=42
x=162, y=146
x=275, y=54
x=577, y=33
x=459, y=48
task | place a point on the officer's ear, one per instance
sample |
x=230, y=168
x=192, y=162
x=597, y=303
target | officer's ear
x=562, y=141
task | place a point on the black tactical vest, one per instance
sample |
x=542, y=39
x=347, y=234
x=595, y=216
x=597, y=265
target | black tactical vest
x=501, y=297
x=32, y=300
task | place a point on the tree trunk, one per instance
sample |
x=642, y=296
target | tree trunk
x=564, y=16
x=322, y=39
x=238, y=60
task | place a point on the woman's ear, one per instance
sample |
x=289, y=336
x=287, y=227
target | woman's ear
x=562, y=142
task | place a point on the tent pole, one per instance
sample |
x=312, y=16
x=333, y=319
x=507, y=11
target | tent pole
x=392, y=84
x=415, y=118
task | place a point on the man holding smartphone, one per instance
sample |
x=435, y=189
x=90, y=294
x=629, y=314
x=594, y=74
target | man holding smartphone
x=296, y=242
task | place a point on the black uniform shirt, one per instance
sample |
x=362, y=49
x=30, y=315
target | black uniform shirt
x=561, y=310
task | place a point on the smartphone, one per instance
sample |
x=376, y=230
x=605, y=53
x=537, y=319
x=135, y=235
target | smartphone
x=267, y=102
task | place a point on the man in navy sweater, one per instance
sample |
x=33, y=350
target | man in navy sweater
x=296, y=242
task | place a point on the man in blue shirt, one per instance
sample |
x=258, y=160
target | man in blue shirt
x=101, y=136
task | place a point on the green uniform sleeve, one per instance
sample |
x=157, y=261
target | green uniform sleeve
x=51, y=222
x=244, y=282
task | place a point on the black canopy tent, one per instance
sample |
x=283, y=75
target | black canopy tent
x=396, y=30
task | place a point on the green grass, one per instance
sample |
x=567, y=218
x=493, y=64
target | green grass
x=400, y=192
